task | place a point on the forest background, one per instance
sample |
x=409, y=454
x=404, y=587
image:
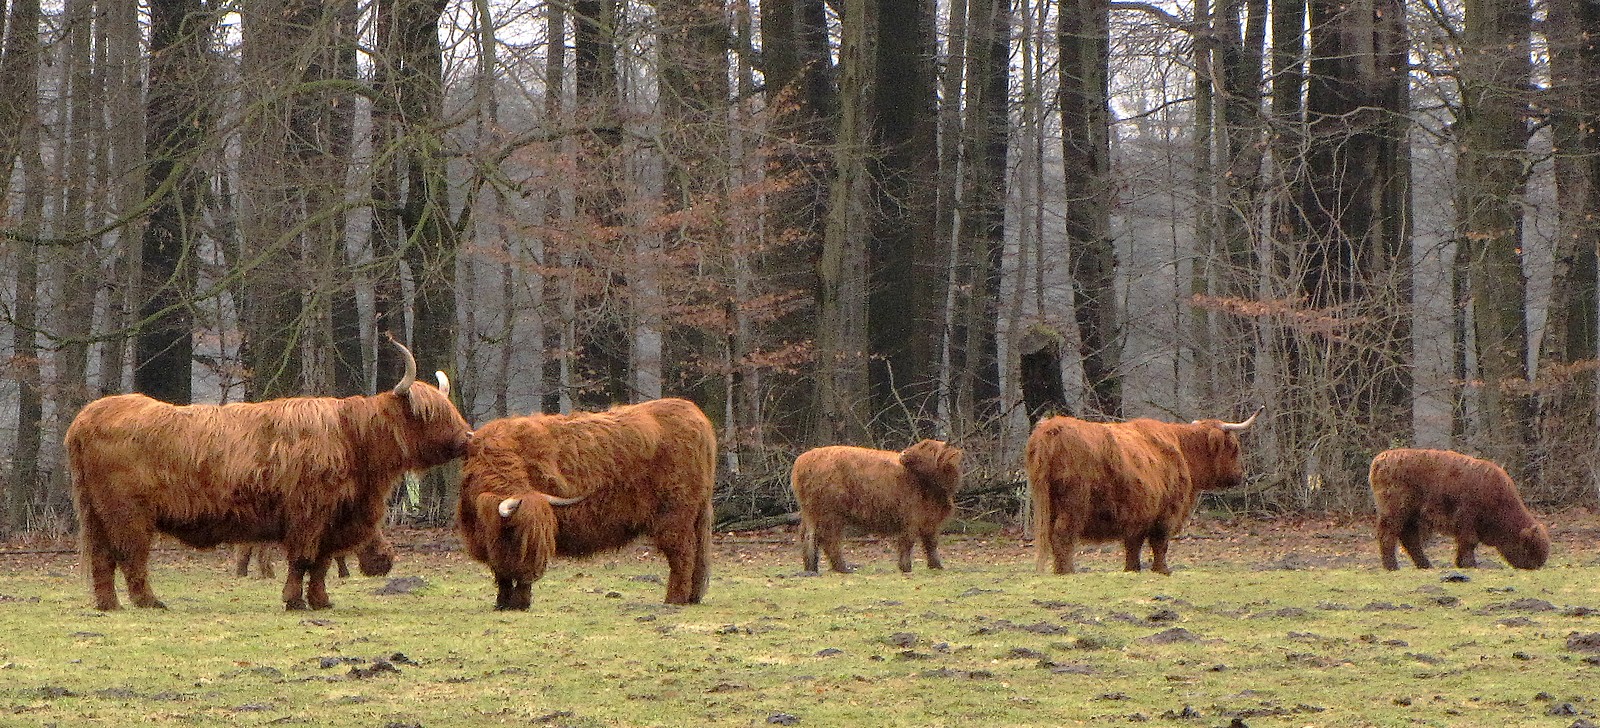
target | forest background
x=824, y=221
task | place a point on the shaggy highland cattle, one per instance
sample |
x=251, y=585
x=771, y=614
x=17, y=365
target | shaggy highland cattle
x=1422, y=492
x=373, y=558
x=311, y=473
x=634, y=470
x=907, y=495
x=1131, y=482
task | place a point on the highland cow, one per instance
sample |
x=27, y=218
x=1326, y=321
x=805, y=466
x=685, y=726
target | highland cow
x=907, y=495
x=635, y=470
x=1422, y=492
x=374, y=558
x=311, y=473
x=1131, y=482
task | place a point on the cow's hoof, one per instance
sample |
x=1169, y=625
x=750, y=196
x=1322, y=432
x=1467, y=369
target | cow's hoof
x=295, y=605
x=110, y=606
x=321, y=605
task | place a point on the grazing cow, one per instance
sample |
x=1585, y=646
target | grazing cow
x=644, y=469
x=374, y=557
x=1129, y=481
x=311, y=473
x=906, y=494
x=1422, y=492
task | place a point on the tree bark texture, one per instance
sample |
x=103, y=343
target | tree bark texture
x=1085, y=46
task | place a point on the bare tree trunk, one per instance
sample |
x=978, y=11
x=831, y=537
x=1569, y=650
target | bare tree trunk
x=800, y=91
x=272, y=201
x=1493, y=137
x=19, y=80
x=906, y=288
x=603, y=352
x=558, y=340
x=1084, y=38
x=126, y=157
x=75, y=260
x=24, y=487
x=1239, y=52
x=1567, y=353
x=842, y=386
x=987, y=142
x=1203, y=321
x=178, y=115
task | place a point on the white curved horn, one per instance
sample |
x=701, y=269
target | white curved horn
x=1241, y=426
x=404, y=387
x=554, y=501
x=509, y=506
x=444, y=384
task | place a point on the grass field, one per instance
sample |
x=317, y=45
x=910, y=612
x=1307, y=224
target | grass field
x=1264, y=623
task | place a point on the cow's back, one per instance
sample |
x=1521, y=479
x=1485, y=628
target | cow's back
x=630, y=463
x=1115, y=477
x=867, y=487
x=1435, y=483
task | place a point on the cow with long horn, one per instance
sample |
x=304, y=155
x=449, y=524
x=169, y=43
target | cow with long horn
x=1131, y=482
x=313, y=474
x=640, y=470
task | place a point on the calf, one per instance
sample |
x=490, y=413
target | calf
x=907, y=495
x=1422, y=492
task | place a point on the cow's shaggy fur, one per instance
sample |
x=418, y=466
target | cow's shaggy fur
x=311, y=473
x=907, y=495
x=644, y=469
x=1131, y=482
x=1422, y=492
x=374, y=558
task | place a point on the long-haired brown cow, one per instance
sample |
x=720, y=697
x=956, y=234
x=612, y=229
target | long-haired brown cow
x=1128, y=481
x=311, y=473
x=644, y=469
x=906, y=494
x=1421, y=492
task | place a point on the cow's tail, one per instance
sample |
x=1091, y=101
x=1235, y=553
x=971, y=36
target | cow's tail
x=1039, y=486
x=1044, y=556
x=808, y=545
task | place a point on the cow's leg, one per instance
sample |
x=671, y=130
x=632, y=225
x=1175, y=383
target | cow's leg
x=1411, y=541
x=1159, y=539
x=904, y=544
x=1132, y=552
x=502, y=593
x=344, y=569
x=133, y=555
x=830, y=536
x=1063, y=544
x=675, y=538
x=317, y=583
x=702, y=553
x=264, y=553
x=294, y=585
x=1466, y=539
x=1388, y=539
x=95, y=549
x=808, y=547
x=930, y=550
x=521, y=595
x=241, y=558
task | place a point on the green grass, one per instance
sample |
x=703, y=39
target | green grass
x=986, y=642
